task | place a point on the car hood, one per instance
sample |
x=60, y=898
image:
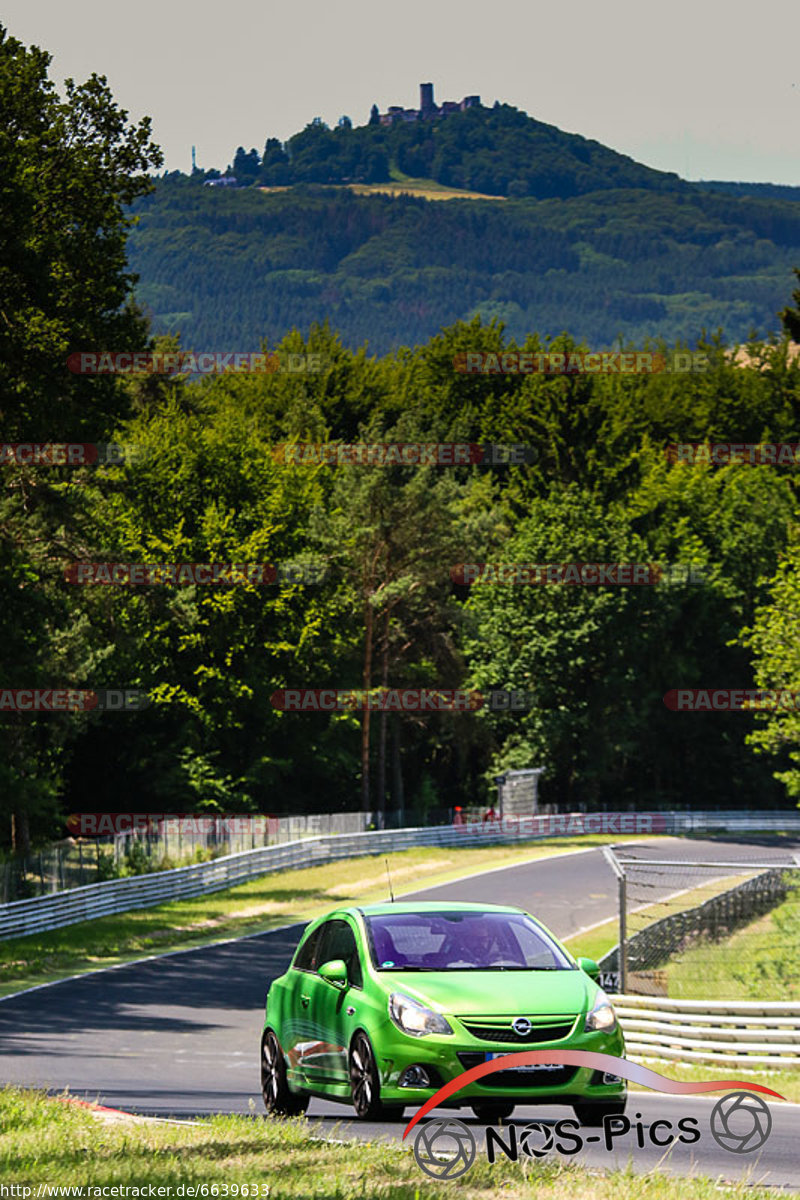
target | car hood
x=496, y=993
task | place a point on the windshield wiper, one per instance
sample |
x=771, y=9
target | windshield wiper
x=515, y=968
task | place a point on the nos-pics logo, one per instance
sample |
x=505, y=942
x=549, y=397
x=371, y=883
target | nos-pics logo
x=446, y=1148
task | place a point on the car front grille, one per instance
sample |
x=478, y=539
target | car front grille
x=516, y=1078
x=500, y=1029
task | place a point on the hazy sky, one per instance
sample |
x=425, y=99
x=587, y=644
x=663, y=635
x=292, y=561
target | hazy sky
x=707, y=88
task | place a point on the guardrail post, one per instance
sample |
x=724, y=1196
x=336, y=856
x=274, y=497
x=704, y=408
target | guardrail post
x=623, y=937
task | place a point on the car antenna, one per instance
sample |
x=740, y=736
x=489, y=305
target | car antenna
x=388, y=876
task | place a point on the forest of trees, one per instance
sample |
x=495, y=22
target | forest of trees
x=229, y=267
x=206, y=486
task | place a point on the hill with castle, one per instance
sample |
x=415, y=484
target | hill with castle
x=497, y=151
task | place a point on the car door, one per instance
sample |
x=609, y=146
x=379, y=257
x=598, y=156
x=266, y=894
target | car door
x=296, y=1033
x=330, y=1020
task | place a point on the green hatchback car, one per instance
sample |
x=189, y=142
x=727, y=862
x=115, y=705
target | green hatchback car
x=383, y=1004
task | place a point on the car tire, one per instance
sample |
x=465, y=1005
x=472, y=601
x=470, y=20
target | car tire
x=593, y=1114
x=365, y=1084
x=279, y=1099
x=489, y=1114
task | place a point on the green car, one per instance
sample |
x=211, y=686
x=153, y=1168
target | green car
x=384, y=1004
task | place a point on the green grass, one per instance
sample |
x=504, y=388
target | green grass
x=400, y=181
x=278, y=899
x=594, y=943
x=761, y=961
x=787, y=1081
x=46, y=1141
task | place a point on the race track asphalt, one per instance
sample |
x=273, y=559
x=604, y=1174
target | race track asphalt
x=179, y=1035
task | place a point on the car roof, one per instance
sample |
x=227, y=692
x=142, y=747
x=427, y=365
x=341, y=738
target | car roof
x=423, y=906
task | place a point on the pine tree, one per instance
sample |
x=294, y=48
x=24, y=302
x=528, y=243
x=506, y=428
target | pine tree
x=791, y=316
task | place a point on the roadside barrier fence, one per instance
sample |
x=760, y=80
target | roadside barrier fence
x=751, y=1034
x=689, y=927
x=21, y=917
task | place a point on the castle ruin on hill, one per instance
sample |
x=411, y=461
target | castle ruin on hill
x=428, y=109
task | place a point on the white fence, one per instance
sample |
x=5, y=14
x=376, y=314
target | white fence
x=731, y=1033
x=22, y=917
x=76, y=860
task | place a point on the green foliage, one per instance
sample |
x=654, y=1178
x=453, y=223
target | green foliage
x=137, y=860
x=71, y=169
x=774, y=638
x=791, y=316
x=638, y=252
x=207, y=486
x=107, y=866
x=625, y=261
x=500, y=151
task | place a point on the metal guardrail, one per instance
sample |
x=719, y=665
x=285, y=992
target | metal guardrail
x=737, y=822
x=727, y=1032
x=21, y=917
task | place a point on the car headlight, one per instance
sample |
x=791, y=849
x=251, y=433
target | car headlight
x=602, y=1017
x=412, y=1017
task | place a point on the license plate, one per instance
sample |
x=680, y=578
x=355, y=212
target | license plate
x=532, y=1068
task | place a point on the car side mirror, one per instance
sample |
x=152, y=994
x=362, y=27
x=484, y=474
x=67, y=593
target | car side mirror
x=334, y=972
x=589, y=966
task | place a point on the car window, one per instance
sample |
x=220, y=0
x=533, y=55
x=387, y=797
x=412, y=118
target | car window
x=306, y=957
x=534, y=949
x=459, y=940
x=339, y=941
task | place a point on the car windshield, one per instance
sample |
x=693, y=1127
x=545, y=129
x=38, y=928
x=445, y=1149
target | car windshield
x=460, y=941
